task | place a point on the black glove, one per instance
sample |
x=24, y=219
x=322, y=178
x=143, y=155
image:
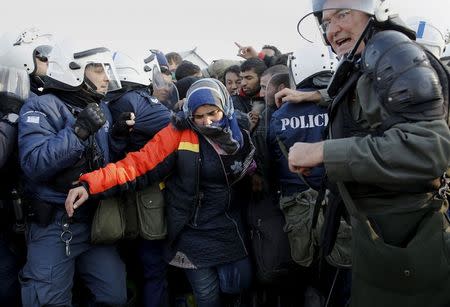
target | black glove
x=89, y=121
x=121, y=128
x=10, y=104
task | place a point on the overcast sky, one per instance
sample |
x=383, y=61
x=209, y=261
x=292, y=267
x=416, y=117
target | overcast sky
x=177, y=25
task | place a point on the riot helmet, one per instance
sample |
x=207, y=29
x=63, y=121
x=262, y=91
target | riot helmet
x=21, y=50
x=427, y=35
x=311, y=60
x=70, y=69
x=130, y=71
x=330, y=12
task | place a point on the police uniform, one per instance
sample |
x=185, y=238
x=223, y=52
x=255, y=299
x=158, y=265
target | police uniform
x=389, y=143
x=49, y=153
x=9, y=264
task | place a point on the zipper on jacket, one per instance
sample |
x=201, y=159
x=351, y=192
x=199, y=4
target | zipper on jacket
x=228, y=205
x=199, y=194
x=197, y=208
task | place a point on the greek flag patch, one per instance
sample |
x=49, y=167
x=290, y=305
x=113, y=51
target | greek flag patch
x=33, y=119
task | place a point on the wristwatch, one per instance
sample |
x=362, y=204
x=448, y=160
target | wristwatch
x=11, y=118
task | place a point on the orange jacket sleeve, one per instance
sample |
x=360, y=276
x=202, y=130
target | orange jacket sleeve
x=152, y=163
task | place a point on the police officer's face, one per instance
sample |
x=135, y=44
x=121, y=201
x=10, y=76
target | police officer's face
x=41, y=66
x=97, y=75
x=250, y=82
x=343, y=28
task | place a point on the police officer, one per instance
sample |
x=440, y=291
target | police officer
x=137, y=117
x=14, y=89
x=388, y=148
x=62, y=134
x=28, y=50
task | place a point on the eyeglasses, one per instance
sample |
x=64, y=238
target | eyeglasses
x=208, y=114
x=341, y=16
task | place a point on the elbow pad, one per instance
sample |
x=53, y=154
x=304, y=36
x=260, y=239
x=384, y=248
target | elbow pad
x=403, y=78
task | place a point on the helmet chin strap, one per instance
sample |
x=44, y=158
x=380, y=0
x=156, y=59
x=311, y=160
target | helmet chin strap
x=92, y=89
x=347, y=62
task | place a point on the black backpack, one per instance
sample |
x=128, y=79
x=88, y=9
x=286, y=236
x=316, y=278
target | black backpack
x=270, y=246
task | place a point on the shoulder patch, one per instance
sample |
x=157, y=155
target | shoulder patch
x=33, y=119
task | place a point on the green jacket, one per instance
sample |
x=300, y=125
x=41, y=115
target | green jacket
x=406, y=261
x=408, y=154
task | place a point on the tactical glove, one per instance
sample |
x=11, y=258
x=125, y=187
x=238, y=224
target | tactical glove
x=89, y=121
x=123, y=126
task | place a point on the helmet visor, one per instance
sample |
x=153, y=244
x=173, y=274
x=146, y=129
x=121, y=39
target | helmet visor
x=308, y=23
x=163, y=89
x=14, y=82
x=43, y=50
x=102, y=57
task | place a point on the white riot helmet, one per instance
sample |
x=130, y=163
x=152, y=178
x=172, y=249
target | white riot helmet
x=427, y=35
x=20, y=49
x=128, y=70
x=378, y=9
x=311, y=59
x=67, y=67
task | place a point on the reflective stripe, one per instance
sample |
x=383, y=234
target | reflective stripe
x=188, y=146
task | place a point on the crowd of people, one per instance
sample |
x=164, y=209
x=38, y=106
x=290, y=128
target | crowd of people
x=312, y=178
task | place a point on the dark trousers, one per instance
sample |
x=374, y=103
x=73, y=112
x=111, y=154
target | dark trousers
x=209, y=283
x=47, y=277
x=155, y=271
x=9, y=284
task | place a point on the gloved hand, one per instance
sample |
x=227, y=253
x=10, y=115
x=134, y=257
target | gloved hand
x=124, y=125
x=89, y=121
x=10, y=104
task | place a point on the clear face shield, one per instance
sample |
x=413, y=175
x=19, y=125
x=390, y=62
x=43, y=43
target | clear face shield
x=14, y=82
x=70, y=68
x=101, y=77
x=308, y=24
x=163, y=89
x=100, y=65
x=114, y=81
x=43, y=52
